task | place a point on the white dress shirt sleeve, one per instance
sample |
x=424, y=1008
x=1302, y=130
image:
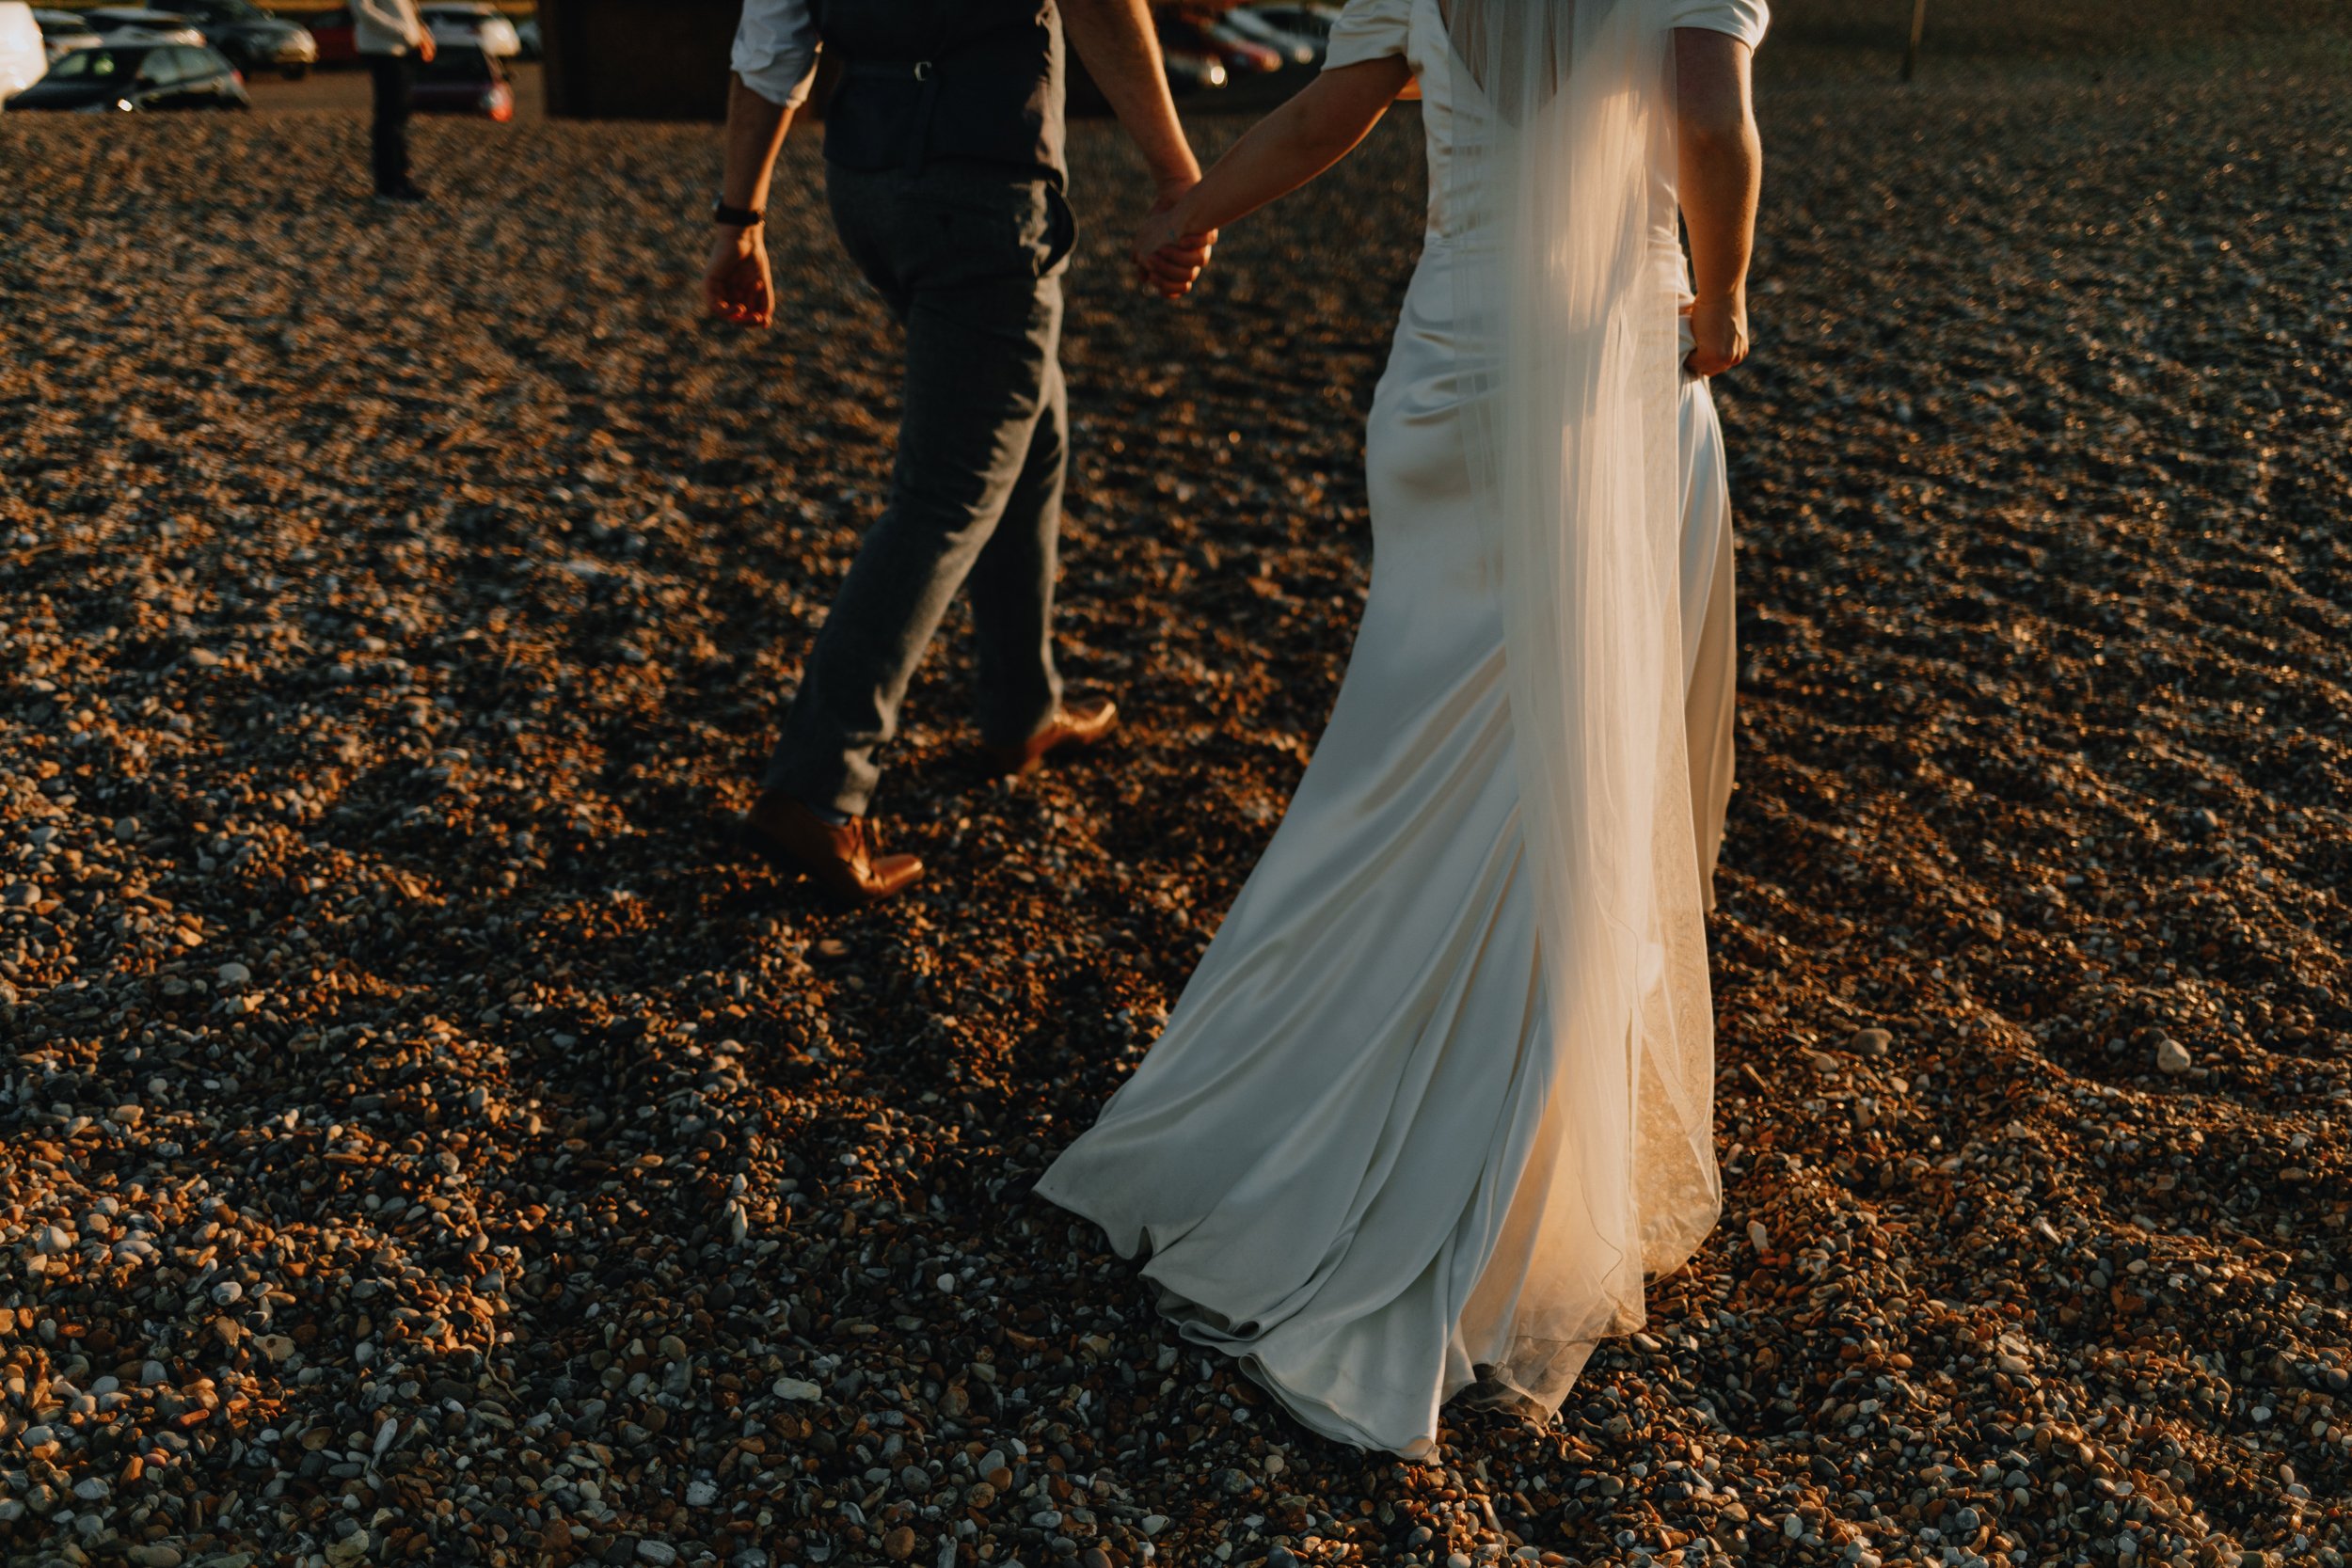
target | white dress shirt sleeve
x=392, y=24
x=775, y=50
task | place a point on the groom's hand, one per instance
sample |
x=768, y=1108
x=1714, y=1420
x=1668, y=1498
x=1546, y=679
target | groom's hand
x=1169, y=260
x=1719, y=335
x=736, y=284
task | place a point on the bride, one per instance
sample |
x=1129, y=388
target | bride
x=1439, y=1096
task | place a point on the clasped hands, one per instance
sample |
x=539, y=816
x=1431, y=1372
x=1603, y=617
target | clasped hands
x=1168, y=254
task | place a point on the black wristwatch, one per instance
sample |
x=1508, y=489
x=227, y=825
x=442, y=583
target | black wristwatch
x=736, y=217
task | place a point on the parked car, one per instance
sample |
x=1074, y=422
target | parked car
x=23, y=58
x=63, y=32
x=1190, y=69
x=139, y=75
x=1306, y=20
x=1197, y=36
x=1294, y=48
x=251, y=38
x=460, y=79
x=1253, y=54
x=331, y=33
x=474, y=23
x=139, y=24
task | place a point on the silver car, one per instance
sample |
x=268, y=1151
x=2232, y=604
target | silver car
x=472, y=22
x=139, y=24
x=63, y=32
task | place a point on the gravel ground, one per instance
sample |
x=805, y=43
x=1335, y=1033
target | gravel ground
x=421, y=1144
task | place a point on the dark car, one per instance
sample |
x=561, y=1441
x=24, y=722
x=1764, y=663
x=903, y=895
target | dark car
x=124, y=76
x=1189, y=71
x=463, y=80
x=251, y=38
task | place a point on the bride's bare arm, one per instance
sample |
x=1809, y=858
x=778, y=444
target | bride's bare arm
x=1317, y=128
x=1722, y=174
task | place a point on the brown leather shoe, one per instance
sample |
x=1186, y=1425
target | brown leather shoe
x=1080, y=722
x=845, y=862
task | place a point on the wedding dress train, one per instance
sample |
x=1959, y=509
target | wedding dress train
x=1340, y=1158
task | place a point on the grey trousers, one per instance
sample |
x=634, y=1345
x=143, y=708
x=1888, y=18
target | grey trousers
x=969, y=259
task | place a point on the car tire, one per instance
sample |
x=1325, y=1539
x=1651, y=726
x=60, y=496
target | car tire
x=293, y=73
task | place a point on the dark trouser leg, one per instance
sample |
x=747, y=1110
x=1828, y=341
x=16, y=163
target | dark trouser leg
x=1012, y=585
x=980, y=379
x=388, y=135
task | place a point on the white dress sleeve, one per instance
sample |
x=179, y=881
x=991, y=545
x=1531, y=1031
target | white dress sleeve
x=1371, y=30
x=1744, y=20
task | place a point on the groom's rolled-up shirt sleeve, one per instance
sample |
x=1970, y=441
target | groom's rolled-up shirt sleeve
x=1369, y=30
x=775, y=50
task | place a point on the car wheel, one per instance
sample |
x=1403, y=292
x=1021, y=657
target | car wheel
x=293, y=73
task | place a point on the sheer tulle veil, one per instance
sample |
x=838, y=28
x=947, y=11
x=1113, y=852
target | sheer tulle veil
x=1565, y=307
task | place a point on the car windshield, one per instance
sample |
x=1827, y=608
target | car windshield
x=96, y=65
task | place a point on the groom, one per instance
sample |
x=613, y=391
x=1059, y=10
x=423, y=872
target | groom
x=945, y=174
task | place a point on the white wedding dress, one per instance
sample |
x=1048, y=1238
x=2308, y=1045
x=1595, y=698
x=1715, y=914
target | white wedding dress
x=1336, y=1159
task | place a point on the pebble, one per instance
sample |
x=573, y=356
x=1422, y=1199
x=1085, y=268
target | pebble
x=2172, y=1058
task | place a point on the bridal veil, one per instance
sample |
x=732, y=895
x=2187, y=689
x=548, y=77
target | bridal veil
x=1567, y=313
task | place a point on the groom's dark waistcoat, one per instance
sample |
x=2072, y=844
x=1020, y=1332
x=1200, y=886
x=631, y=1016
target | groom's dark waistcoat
x=930, y=79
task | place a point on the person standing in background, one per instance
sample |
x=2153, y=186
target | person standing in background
x=393, y=40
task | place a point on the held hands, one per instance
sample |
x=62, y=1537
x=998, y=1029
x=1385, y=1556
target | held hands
x=1168, y=259
x=1719, y=334
x=736, y=285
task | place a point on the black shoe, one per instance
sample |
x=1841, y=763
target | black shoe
x=405, y=196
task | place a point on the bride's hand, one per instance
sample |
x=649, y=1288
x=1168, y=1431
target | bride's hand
x=1166, y=257
x=1719, y=335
